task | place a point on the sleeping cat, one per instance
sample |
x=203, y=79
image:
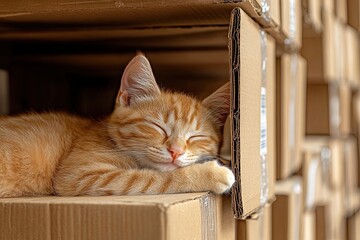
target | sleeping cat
x=148, y=145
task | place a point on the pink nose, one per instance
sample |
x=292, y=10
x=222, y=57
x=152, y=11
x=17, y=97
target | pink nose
x=175, y=153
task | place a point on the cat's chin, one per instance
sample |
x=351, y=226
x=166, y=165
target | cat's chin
x=166, y=167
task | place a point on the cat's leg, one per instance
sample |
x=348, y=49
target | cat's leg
x=209, y=176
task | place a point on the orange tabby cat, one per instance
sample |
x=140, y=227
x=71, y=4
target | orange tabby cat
x=148, y=145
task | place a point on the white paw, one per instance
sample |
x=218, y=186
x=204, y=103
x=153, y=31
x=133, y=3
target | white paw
x=221, y=178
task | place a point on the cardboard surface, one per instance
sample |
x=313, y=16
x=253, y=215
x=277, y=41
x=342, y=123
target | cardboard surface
x=328, y=109
x=191, y=216
x=332, y=156
x=313, y=184
x=291, y=21
x=308, y=231
x=351, y=175
x=287, y=210
x=291, y=91
x=312, y=15
x=325, y=52
x=352, y=73
x=257, y=228
x=341, y=10
x=353, y=13
x=39, y=17
x=352, y=228
x=246, y=76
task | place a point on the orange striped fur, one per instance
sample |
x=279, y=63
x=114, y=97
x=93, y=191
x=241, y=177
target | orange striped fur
x=149, y=145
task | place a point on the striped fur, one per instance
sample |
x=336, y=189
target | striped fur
x=129, y=152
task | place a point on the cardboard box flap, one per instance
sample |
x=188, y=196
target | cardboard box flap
x=124, y=13
x=246, y=84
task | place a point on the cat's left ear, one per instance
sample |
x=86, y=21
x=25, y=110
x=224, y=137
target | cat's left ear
x=138, y=80
x=219, y=102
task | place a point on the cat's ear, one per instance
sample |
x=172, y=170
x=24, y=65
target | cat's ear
x=219, y=102
x=138, y=80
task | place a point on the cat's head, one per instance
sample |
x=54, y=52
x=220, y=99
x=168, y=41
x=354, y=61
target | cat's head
x=164, y=130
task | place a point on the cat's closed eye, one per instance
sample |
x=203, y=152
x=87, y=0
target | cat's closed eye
x=160, y=127
x=197, y=138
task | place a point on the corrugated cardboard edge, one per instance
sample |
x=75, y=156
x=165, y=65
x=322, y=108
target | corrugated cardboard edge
x=234, y=51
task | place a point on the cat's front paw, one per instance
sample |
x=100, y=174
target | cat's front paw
x=219, y=177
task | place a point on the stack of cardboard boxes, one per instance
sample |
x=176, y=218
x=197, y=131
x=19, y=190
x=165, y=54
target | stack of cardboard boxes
x=330, y=163
x=293, y=70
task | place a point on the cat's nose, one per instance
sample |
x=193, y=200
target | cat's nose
x=175, y=153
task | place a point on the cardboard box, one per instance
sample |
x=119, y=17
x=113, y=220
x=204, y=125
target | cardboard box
x=353, y=13
x=287, y=210
x=291, y=22
x=330, y=218
x=325, y=52
x=320, y=223
x=312, y=16
x=191, y=216
x=313, y=183
x=336, y=215
x=255, y=228
x=291, y=91
x=351, y=175
x=248, y=47
x=332, y=158
x=352, y=74
x=308, y=232
x=328, y=109
x=352, y=227
x=341, y=10
x=73, y=16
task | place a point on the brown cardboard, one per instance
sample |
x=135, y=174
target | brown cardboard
x=332, y=157
x=225, y=226
x=345, y=109
x=336, y=215
x=271, y=116
x=313, y=185
x=191, y=216
x=325, y=52
x=320, y=223
x=268, y=55
x=312, y=15
x=341, y=10
x=328, y=109
x=256, y=228
x=291, y=90
x=287, y=210
x=353, y=16
x=99, y=15
x=353, y=230
x=309, y=226
x=351, y=175
x=352, y=73
x=246, y=45
x=291, y=22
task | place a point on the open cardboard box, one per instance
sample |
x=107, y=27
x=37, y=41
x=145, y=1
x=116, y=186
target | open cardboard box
x=250, y=51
